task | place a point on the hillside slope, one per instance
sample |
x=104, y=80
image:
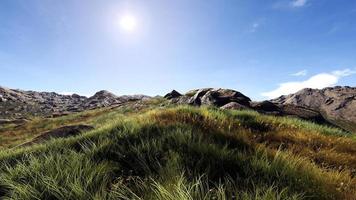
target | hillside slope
x=156, y=150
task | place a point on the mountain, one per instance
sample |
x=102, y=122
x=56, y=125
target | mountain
x=209, y=143
x=231, y=99
x=336, y=104
x=332, y=106
x=21, y=104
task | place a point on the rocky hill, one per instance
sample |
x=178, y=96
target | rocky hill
x=336, y=104
x=157, y=149
x=20, y=104
x=333, y=106
x=165, y=152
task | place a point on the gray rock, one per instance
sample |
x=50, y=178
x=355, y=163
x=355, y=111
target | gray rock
x=265, y=106
x=196, y=99
x=18, y=103
x=303, y=113
x=12, y=121
x=220, y=97
x=336, y=104
x=234, y=106
x=214, y=97
x=172, y=94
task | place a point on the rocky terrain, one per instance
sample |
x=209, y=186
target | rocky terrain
x=18, y=104
x=336, y=104
x=154, y=149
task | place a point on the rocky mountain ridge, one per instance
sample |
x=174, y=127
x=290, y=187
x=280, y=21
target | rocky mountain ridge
x=16, y=103
x=333, y=106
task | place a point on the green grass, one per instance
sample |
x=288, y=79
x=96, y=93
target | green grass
x=184, y=153
x=12, y=135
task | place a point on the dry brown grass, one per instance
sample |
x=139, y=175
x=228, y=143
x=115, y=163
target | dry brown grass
x=315, y=159
x=13, y=135
x=334, y=154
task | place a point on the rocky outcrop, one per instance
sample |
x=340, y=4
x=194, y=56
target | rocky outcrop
x=17, y=104
x=234, y=106
x=212, y=97
x=12, y=121
x=336, y=104
x=266, y=107
x=102, y=98
x=303, y=113
x=173, y=94
x=234, y=100
x=221, y=97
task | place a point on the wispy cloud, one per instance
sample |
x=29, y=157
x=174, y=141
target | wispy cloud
x=333, y=29
x=257, y=24
x=290, y=4
x=254, y=27
x=298, y=3
x=300, y=73
x=317, y=81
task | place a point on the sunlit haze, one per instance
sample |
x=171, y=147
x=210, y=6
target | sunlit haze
x=128, y=22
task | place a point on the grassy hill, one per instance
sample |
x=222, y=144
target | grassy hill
x=155, y=150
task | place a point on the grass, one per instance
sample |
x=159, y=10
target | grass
x=165, y=152
x=12, y=135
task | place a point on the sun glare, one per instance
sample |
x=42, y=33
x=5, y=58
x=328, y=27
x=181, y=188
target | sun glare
x=128, y=23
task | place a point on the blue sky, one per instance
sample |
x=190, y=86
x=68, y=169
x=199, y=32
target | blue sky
x=261, y=48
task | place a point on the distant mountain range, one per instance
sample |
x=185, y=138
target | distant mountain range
x=17, y=104
x=333, y=105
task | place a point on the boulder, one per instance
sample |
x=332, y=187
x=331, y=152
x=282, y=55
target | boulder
x=220, y=97
x=181, y=100
x=12, y=121
x=336, y=104
x=265, y=107
x=173, y=94
x=2, y=99
x=212, y=97
x=196, y=99
x=234, y=106
x=303, y=113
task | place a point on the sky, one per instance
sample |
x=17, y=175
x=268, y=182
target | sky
x=261, y=48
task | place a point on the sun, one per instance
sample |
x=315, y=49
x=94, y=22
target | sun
x=128, y=23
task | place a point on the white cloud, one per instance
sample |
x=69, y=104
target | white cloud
x=298, y=3
x=254, y=27
x=289, y=4
x=317, y=81
x=300, y=73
